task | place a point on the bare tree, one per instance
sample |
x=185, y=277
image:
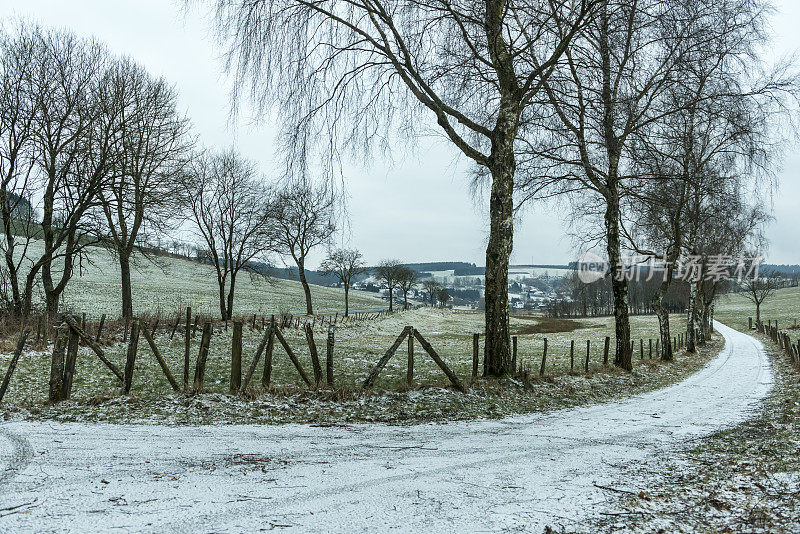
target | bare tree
x=352, y=73
x=443, y=296
x=432, y=287
x=406, y=282
x=303, y=218
x=619, y=78
x=759, y=289
x=230, y=210
x=389, y=272
x=19, y=226
x=140, y=200
x=71, y=144
x=344, y=264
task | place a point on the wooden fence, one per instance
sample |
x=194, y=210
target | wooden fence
x=782, y=338
x=73, y=332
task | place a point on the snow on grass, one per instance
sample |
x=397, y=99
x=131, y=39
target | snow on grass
x=170, y=284
x=733, y=309
x=359, y=345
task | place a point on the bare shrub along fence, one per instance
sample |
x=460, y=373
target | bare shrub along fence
x=73, y=332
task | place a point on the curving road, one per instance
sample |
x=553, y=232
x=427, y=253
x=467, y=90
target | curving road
x=520, y=473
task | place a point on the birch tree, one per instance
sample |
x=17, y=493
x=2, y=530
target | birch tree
x=355, y=73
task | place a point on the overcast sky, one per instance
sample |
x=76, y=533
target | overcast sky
x=420, y=207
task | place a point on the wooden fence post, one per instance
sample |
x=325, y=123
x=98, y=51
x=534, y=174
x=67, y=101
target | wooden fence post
x=69, y=364
x=572, y=355
x=202, y=358
x=475, y=343
x=130, y=359
x=312, y=347
x=236, y=358
x=410, y=369
x=650, y=342
x=641, y=348
x=175, y=326
x=187, y=343
x=750, y=323
x=544, y=358
x=266, y=376
x=13, y=363
x=605, y=350
x=514, y=354
x=57, y=365
x=588, y=345
x=373, y=375
x=292, y=357
x=100, y=328
x=443, y=366
x=329, y=356
x=161, y=361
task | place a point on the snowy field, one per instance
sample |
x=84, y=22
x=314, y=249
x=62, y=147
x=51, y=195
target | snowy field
x=168, y=285
x=519, y=473
x=783, y=306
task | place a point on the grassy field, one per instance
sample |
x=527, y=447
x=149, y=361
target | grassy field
x=783, y=306
x=359, y=345
x=171, y=284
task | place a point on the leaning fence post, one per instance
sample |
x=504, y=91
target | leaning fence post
x=475, y=343
x=329, y=357
x=236, y=358
x=13, y=363
x=100, y=328
x=544, y=358
x=57, y=365
x=130, y=359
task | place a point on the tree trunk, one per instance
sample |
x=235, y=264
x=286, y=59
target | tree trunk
x=346, y=300
x=223, y=312
x=229, y=310
x=619, y=286
x=690, y=318
x=306, y=289
x=663, y=327
x=390, y=298
x=498, y=252
x=127, y=292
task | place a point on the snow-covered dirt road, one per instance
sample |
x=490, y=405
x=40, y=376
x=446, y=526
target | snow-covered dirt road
x=520, y=473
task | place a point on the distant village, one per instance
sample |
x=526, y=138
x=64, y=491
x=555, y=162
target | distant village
x=531, y=287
